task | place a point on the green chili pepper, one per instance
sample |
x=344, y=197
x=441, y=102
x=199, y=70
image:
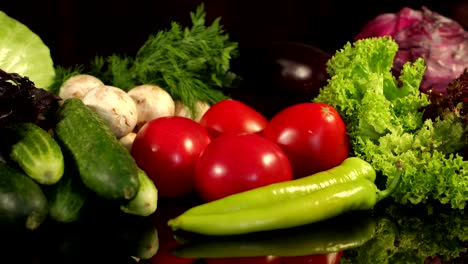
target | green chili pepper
x=333, y=235
x=320, y=205
x=350, y=169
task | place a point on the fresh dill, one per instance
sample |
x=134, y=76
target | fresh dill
x=192, y=63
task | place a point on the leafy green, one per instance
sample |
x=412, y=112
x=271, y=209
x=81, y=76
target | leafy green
x=386, y=124
x=23, y=52
x=451, y=108
x=21, y=101
x=364, y=90
x=190, y=63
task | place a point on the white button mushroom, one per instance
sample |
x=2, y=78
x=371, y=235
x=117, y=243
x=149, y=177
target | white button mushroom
x=77, y=86
x=183, y=110
x=127, y=140
x=115, y=106
x=152, y=102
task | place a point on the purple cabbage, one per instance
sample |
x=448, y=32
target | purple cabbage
x=441, y=41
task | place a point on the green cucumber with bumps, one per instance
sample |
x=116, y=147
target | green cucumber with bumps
x=35, y=151
x=105, y=166
x=68, y=198
x=23, y=204
x=145, y=202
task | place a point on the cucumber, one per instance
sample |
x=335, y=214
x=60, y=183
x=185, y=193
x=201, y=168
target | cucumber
x=35, y=151
x=22, y=201
x=67, y=198
x=104, y=165
x=146, y=200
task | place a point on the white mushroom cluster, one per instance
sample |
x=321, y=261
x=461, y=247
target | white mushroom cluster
x=126, y=112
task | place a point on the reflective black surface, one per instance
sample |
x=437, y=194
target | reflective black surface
x=390, y=233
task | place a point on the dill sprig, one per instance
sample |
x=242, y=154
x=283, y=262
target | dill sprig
x=62, y=74
x=190, y=63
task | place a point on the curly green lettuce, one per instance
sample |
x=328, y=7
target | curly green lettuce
x=385, y=123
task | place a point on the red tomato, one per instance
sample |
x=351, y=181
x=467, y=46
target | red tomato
x=232, y=116
x=167, y=149
x=234, y=163
x=312, y=135
x=332, y=258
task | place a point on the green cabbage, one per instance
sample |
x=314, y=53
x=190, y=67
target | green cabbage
x=23, y=52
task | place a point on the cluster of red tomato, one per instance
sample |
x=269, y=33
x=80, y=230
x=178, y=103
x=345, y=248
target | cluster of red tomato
x=234, y=148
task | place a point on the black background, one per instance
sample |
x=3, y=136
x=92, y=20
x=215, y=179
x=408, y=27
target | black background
x=78, y=30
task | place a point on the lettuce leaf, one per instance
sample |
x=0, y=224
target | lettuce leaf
x=385, y=123
x=23, y=52
x=429, y=173
x=362, y=87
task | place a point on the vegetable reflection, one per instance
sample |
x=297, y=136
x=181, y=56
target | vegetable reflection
x=344, y=232
x=421, y=234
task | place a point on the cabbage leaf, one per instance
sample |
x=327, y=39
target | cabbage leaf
x=23, y=52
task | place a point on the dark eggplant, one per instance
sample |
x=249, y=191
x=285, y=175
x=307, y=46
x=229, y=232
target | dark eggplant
x=298, y=68
x=282, y=74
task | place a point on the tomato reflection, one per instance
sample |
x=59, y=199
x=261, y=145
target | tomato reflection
x=167, y=242
x=332, y=258
x=245, y=260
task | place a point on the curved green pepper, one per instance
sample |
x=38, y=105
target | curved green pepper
x=349, y=170
x=320, y=205
x=334, y=235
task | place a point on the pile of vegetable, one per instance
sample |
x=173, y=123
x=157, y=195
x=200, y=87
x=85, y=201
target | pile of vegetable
x=49, y=172
x=126, y=130
x=68, y=144
x=54, y=133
